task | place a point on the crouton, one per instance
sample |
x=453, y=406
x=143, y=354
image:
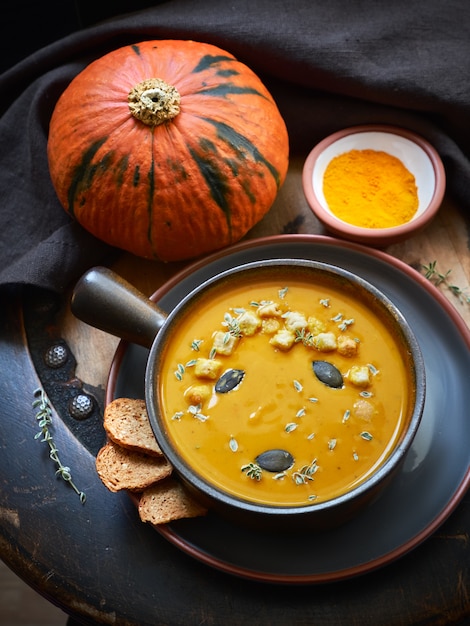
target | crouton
x=325, y=342
x=270, y=325
x=347, y=346
x=207, y=368
x=198, y=394
x=295, y=321
x=249, y=323
x=364, y=410
x=283, y=340
x=270, y=309
x=359, y=376
x=224, y=343
x=315, y=326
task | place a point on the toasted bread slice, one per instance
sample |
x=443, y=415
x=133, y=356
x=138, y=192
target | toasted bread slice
x=120, y=468
x=126, y=423
x=167, y=501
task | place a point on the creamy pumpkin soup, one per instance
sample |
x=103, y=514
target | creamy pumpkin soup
x=284, y=394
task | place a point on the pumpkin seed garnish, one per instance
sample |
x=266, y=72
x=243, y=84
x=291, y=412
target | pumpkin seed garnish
x=177, y=416
x=332, y=444
x=328, y=374
x=300, y=412
x=325, y=302
x=346, y=416
x=229, y=380
x=366, y=394
x=44, y=419
x=366, y=435
x=196, y=344
x=275, y=460
x=283, y=292
x=298, y=386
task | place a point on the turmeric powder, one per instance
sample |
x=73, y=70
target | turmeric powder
x=370, y=188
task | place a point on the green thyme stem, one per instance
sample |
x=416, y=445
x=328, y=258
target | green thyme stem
x=44, y=419
x=438, y=278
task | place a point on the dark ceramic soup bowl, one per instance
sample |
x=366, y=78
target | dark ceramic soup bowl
x=104, y=300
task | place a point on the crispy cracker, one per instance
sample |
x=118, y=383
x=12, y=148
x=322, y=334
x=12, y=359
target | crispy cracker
x=167, y=501
x=126, y=423
x=120, y=468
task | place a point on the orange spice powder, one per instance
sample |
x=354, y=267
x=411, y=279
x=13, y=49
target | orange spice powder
x=370, y=188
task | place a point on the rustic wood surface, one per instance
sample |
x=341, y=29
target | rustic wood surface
x=99, y=563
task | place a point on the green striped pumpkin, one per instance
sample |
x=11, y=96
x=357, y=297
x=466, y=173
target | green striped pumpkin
x=167, y=149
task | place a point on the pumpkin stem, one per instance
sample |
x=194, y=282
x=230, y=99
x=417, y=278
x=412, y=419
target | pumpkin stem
x=154, y=102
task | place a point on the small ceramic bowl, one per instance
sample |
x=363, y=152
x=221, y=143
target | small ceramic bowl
x=107, y=302
x=416, y=154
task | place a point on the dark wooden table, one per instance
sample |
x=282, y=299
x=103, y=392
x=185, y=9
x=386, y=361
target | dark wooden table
x=99, y=563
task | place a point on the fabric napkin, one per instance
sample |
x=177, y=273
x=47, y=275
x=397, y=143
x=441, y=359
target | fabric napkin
x=329, y=65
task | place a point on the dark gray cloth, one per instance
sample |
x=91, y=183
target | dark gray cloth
x=328, y=64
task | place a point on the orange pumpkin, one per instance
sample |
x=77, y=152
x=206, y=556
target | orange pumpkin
x=167, y=149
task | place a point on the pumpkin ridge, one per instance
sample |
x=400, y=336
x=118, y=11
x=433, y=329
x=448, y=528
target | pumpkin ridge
x=151, y=191
x=84, y=170
x=208, y=60
x=242, y=143
x=217, y=185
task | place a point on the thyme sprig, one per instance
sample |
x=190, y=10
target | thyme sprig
x=233, y=326
x=438, y=278
x=305, y=473
x=253, y=471
x=44, y=419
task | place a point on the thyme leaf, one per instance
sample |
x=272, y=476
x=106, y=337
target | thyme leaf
x=305, y=473
x=252, y=470
x=438, y=278
x=44, y=420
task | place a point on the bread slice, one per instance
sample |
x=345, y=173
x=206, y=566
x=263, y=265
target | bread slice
x=126, y=422
x=120, y=468
x=167, y=501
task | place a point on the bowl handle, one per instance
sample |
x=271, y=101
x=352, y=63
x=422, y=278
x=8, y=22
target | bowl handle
x=101, y=298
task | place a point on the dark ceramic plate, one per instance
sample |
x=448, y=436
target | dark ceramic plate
x=436, y=472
